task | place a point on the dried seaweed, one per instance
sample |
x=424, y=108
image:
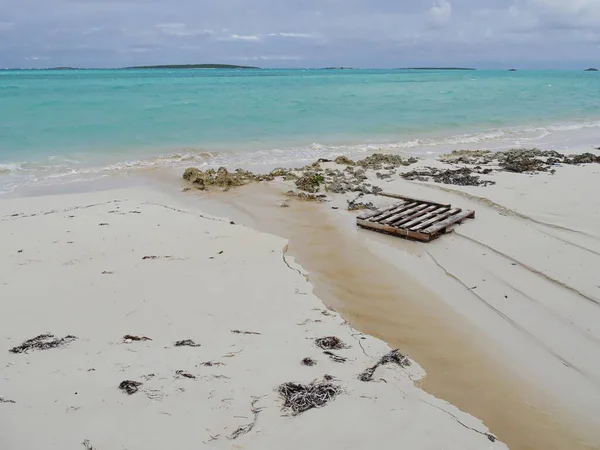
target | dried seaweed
x=309, y=362
x=131, y=387
x=181, y=373
x=43, y=342
x=330, y=343
x=211, y=364
x=300, y=397
x=335, y=358
x=186, y=343
x=128, y=338
x=87, y=445
x=393, y=357
x=244, y=332
x=5, y=400
x=245, y=429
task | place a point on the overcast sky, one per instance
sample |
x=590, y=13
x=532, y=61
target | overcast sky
x=301, y=33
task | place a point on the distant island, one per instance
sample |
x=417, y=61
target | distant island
x=193, y=66
x=338, y=68
x=437, y=68
x=512, y=70
x=592, y=70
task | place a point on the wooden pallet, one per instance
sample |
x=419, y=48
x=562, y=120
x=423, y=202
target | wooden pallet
x=413, y=218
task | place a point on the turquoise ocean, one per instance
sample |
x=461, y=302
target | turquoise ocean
x=71, y=125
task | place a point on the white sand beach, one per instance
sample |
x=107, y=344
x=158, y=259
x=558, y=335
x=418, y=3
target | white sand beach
x=99, y=266
x=502, y=315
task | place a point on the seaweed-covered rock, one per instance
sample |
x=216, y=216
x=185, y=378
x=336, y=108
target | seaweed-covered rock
x=280, y=172
x=221, y=177
x=585, y=158
x=460, y=177
x=344, y=160
x=378, y=160
x=310, y=182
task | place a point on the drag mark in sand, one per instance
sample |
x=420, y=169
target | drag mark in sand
x=531, y=269
x=509, y=320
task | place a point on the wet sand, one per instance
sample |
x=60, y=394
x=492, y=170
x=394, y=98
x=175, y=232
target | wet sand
x=463, y=366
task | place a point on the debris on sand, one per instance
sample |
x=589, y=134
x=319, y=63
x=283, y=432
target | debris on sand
x=355, y=205
x=330, y=343
x=43, y=342
x=156, y=257
x=307, y=197
x=5, y=400
x=244, y=332
x=130, y=387
x=87, y=445
x=460, y=177
x=245, y=429
x=212, y=363
x=393, y=357
x=308, y=362
x=186, y=343
x=181, y=373
x=300, y=397
x=129, y=338
x=335, y=358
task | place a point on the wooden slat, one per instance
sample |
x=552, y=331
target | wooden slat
x=370, y=214
x=408, y=218
x=449, y=221
x=394, y=211
x=408, y=212
x=394, y=230
x=420, y=219
x=435, y=219
x=411, y=199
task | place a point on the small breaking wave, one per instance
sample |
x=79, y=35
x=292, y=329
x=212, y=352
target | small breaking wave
x=56, y=169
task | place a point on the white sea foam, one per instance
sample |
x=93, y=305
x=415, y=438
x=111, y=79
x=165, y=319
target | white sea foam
x=66, y=170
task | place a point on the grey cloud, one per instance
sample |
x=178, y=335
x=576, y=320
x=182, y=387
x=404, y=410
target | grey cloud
x=297, y=33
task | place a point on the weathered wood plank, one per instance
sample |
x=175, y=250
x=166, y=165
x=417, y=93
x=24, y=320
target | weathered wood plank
x=435, y=219
x=411, y=199
x=387, y=214
x=403, y=214
x=393, y=230
x=420, y=219
x=418, y=214
x=376, y=212
x=449, y=221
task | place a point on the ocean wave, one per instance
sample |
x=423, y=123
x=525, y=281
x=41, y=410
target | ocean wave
x=58, y=169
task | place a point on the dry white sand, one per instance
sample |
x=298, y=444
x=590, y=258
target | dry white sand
x=507, y=307
x=74, y=265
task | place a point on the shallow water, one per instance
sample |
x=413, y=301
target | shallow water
x=61, y=126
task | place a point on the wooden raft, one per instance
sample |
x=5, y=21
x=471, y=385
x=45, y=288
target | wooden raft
x=413, y=218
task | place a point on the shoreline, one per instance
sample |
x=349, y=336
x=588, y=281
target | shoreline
x=265, y=156
x=385, y=251
x=120, y=275
x=565, y=382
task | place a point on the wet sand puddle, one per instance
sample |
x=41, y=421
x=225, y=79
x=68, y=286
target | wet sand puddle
x=380, y=300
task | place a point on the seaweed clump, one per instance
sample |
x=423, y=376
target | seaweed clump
x=130, y=387
x=330, y=343
x=43, y=342
x=301, y=397
x=393, y=357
